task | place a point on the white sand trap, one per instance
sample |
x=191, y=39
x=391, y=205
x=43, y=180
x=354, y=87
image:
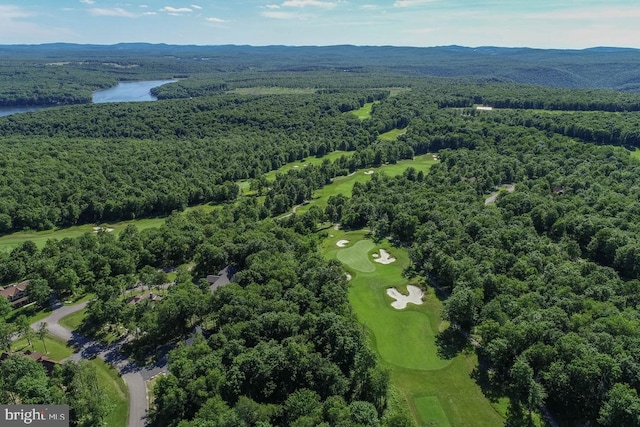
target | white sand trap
x=384, y=258
x=348, y=276
x=296, y=166
x=97, y=229
x=342, y=243
x=368, y=173
x=375, y=255
x=401, y=301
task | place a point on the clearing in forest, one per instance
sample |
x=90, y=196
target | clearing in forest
x=392, y=135
x=438, y=390
x=364, y=112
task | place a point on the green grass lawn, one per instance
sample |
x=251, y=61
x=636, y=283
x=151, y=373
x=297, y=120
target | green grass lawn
x=73, y=320
x=357, y=255
x=636, y=154
x=116, y=391
x=392, y=135
x=430, y=410
x=341, y=185
x=13, y=240
x=31, y=312
x=57, y=349
x=273, y=91
x=438, y=391
x=344, y=184
x=364, y=112
x=334, y=155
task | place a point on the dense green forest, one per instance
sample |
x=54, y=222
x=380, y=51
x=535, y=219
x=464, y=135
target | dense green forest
x=544, y=277
x=61, y=73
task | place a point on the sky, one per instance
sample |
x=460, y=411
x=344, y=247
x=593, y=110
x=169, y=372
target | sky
x=562, y=24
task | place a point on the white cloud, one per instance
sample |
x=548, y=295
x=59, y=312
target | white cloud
x=144, y=6
x=149, y=13
x=409, y=3
x=594, y=13
x=8, y=12
x=369, y=6
x=195, y=6
x=87, y=1
x=283, y=15
x=15, y=27
x=170, y=9
x=272, y=6
x=116, y=11
x=304, y=3
x=216, y=20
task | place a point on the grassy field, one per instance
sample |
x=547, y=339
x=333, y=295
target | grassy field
x=57, y=349
x=344, y=184
x=13, y=240
x=334, y=155
x=73, y=320
x=438, y=390
x=341, y=185
x=31, y=312
x=392, y=135
x=364, y=112
x=116, y=391
x=636, y=154
x=356, y=256
x=272, y=91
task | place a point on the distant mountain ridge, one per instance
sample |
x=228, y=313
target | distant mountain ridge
x=597, y=67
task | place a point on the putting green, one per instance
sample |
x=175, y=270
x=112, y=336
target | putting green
x=431, y=411
x=403, y=338
x=438, y=391
x=357, y=256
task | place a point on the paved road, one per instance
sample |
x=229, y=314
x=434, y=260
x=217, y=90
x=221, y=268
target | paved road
x=133, y=375
x=510, y=188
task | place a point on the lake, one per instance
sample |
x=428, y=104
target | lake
x=7, y=111
x=123, y=92
x=129, y=92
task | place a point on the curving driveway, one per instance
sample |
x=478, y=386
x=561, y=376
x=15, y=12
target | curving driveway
x=133, y=375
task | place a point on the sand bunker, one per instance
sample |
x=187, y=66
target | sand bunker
x=401, y=301
x=342, y=243
x=368, y=173
x=348, y=276
x=384, y=258
x=97, y=229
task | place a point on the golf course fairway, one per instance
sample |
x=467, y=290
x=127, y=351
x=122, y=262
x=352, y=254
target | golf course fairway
x=438, y=391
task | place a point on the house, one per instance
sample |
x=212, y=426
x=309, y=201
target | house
x=144, y=296
x=48, y=364
x=16, y=293
x=224, y=277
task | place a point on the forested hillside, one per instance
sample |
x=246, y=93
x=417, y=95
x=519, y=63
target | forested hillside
x=527, y=227
x=103, y=163
x=66, y=73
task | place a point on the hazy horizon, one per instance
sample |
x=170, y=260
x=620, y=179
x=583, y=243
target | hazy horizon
x=403, y=23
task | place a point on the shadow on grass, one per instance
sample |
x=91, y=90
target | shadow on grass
x=451, y=342
x=481, y=376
